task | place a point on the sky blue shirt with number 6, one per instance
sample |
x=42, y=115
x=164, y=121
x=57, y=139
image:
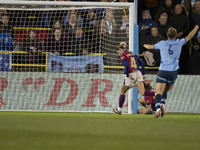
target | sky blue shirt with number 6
x=170, y=52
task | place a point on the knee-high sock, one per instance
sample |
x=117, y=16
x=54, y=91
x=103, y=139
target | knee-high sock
x=121, y=100
x=164, y=98
x=158, y=100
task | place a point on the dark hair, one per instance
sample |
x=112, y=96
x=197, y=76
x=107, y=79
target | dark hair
x=1, y=26
x=147, y=86
x=154, y=27
x=78, y=28
x=55, y=23
x=4, y=14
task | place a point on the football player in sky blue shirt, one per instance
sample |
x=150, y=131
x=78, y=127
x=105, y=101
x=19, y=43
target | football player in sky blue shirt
x=170, y=51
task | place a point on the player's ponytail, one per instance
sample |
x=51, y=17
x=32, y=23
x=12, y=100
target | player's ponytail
x=122, y=45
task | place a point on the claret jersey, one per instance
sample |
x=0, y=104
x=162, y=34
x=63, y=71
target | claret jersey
x=132, y=61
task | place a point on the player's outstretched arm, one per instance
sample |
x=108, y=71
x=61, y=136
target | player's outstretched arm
x=192, y=33
x=148, y=46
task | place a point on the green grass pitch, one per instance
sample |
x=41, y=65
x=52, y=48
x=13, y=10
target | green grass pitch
x=98, y=131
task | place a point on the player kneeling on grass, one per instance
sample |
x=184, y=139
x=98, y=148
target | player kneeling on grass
x=148, y=101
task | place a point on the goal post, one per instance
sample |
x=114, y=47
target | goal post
x=61, y=80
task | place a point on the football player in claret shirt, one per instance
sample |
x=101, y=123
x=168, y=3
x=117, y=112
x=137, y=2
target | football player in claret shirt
x=132, y=72
x=148, y=101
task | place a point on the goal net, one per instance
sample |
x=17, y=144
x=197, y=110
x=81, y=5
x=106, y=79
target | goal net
x=60, y=56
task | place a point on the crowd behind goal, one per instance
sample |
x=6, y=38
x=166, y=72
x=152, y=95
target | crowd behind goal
x=78, y=31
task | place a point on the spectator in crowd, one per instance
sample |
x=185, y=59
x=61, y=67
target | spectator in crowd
x=152, y=57
x=192, y=2
x=56, y=43
x=46, y=16
x=4, y=18
x=91, y=30
x=107, y=45
x=187, y=6
x=123, y=35
x=67, y=15
x=57, y=25
x=51, y=16
x=195, y=56
x=196, y=42
x=77, y=43
x=152, y=5
x=123, y=28
x=33, y=45
x=108, y=35
x=101, y=11
x=163, y=25
x=3, y=11
x=6, y=42
x=91, y=23
x=92, y=68
x=146, y=23
x=77, y=18
x=91, y=20
x=109, y=21
x=180, y=22
x=73, y=22
x=125, y=21
x=195, y=16
x=118, y=13
x=166, y=7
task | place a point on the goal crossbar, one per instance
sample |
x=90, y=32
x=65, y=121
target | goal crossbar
x=62, y=3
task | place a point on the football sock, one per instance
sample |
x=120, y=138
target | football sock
x=164, y=98
x=121, y=101
x=119, y=109
x=158, y=110
x=158, y=101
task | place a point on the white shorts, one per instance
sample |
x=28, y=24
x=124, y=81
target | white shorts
x=136, y=76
